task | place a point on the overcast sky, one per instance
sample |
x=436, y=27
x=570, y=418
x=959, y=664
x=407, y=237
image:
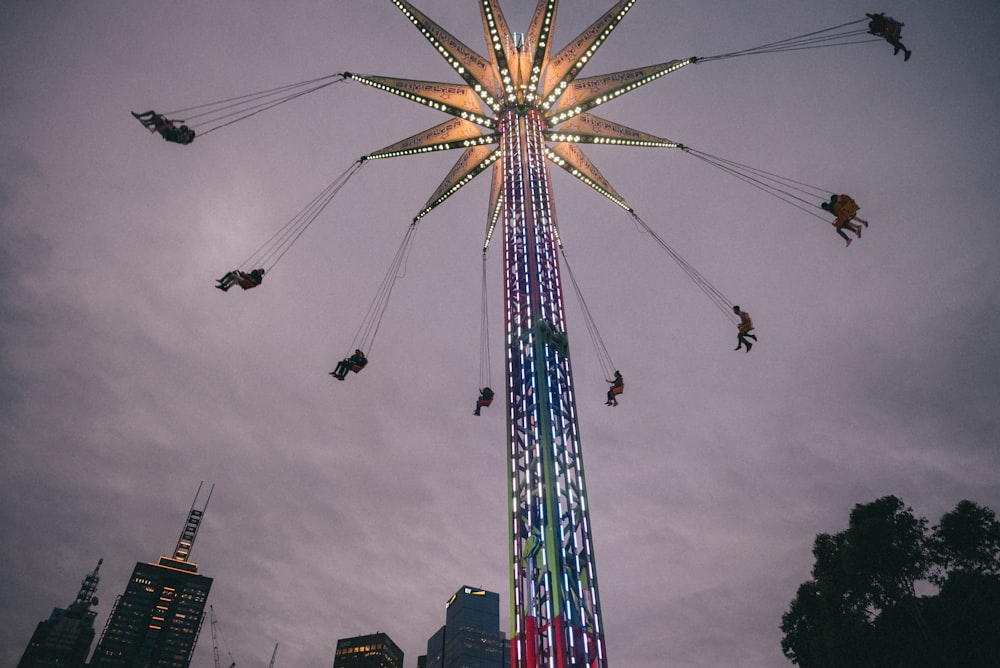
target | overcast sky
x=342, y=509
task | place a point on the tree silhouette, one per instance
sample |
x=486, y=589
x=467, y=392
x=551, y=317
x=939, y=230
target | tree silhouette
x=861, y=608
x=967, y=539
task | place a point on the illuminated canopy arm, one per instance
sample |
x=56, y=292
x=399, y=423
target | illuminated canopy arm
x=590, y=129
x=454, y=99
x=571, y=158
x=585, y=94
x=499, y=37
x=473, y=162
x=474, y=69
x=566, y=64
x=456, y=133
x=495, y=204
x=539, y=34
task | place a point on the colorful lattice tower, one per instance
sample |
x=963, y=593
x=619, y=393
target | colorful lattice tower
x=521, y=109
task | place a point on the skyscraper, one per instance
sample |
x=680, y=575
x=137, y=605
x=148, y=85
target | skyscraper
x=63, y=640
x=156, y=622
x=372, y=651
x=471, y=636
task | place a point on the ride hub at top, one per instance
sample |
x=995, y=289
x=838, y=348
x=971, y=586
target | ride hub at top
x=520, y=109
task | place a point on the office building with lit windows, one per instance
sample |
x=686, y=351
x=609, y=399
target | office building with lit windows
x=471, y=636
x=372, y=651
x=156, y=622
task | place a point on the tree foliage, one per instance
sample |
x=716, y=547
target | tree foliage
x=861, y=608
x=967, y=539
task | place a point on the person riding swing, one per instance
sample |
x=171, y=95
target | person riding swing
x=845, y=209
x=743, y=333
x=617, y=387
x=355, y=363
x=245, y=280
x=485, y=399
x=890, y=29
x=167, y=129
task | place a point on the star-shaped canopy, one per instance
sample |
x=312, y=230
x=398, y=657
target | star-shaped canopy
x=520, y=73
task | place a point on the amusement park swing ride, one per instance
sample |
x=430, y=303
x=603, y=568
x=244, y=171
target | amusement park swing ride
x=519, y=110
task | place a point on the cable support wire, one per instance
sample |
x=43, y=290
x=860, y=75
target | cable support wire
x=723, y=303
x=213, y=116
x=275, y=248
x=485, y=378
x=801, y=195
x=365, y=336
x=813, y=40
x=604, y=357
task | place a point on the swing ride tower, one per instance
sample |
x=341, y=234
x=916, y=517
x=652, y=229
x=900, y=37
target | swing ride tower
x=520, y=110
x=555, y=609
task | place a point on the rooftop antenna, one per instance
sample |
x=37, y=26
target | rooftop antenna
x=85, y=597
x=190, y=531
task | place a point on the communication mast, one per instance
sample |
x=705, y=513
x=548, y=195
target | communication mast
x=190, y=530
x=85, y=598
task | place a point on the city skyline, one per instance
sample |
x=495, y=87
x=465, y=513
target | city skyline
x=128, y=378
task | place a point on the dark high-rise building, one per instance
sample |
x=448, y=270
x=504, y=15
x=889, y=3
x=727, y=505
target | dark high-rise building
x=156, y=622
x=63, y=640
x=372, y=651
x=471, y=636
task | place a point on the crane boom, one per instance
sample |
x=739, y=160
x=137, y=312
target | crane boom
x=273, y=654
x=214, y=622
x=215, y=636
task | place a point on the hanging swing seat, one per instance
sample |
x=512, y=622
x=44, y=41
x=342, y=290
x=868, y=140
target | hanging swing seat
x=884, y=26
x=485, y=396
x=249, y=280
x=618, y=389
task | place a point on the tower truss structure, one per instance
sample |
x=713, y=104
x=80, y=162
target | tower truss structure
x=518, y=111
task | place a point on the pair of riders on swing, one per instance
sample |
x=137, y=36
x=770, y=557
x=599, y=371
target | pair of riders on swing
x=845, y=209
x=355, y=363
x=245, y=280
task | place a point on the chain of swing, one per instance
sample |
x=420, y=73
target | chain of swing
x=839, y=35
x=803, y=196
x=364, y=338
x=212, y=116
x=272, y=250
